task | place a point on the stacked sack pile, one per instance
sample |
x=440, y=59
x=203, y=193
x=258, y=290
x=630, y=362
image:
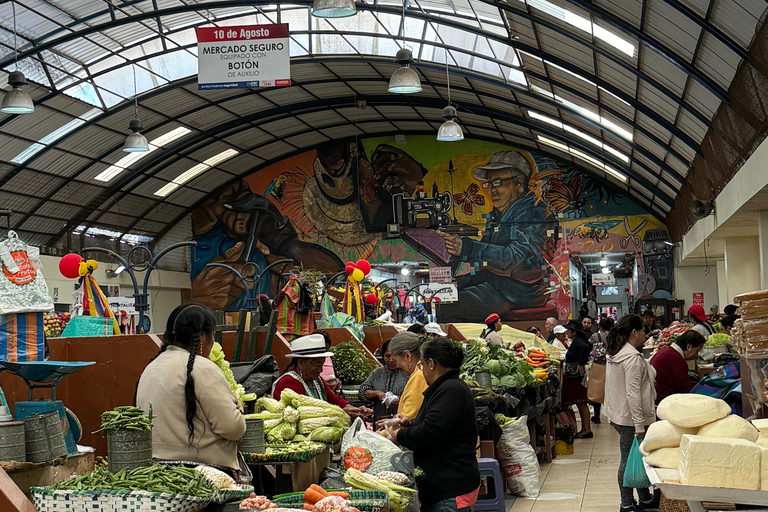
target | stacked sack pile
x=750, y=335
x=707, y=445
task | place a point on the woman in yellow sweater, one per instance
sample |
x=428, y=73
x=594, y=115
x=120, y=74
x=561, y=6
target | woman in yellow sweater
x=406, y=352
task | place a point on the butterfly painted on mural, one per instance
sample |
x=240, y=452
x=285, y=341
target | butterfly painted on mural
x=564, y=197
x=469, y=199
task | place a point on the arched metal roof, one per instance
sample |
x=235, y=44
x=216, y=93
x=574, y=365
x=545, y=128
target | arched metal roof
x=624, y=89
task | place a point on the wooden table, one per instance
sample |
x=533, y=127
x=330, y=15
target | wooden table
x=49, y=474
x=546, y=452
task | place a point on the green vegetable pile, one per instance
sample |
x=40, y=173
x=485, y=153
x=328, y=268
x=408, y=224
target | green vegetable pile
x=506, y=369
x=126, y=417
x=152, y=478
x=503, y=420
x=717, y=340
x=349, y=362
x=217, y=357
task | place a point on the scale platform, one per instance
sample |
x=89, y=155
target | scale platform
x=47, y=374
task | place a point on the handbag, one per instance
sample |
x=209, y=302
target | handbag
x=596, y=383
x=571, y=371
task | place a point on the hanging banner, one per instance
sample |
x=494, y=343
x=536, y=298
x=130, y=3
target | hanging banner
x=444, y=292
x=243, y=57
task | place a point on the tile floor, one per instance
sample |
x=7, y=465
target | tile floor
x=582, y=482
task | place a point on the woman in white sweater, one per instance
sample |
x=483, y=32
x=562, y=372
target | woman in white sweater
x=629, y=399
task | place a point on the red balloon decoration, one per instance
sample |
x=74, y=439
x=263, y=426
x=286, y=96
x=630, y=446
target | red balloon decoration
x=69, y=266
x=349, y=268
x=371, y=299
x=364, y=266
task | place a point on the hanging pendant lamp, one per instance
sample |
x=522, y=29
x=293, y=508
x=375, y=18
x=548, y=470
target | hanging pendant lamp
x=404, y=80
x=333, y=8
x=16, y=101
x=450, y=130
x=135, y=142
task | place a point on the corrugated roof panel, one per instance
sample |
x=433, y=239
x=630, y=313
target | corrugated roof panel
x=652, y=126
x=671, y=28
x=120, y=118
x=274, y=150
x=738, y=19
x=466, y=117
x=207, y=118
x=717, y=60
x=287, y=95
x=502, y=106
x=650, y=145
x=691, y=125
x=60, y=210
x=163, y=211
x=628, y=11
x=119, y=220
x=148, y=226
x=533, y=63
x=522, y=28
x=663, y=71
x=241, y=164
x=186, y=197
x=174, y=102
x=674, y=179
x=700, y=7
x=210, y=180
x=311, y=139
x=541, y=106
x=92, y=141
x=59, y=163
x=247, y=104
x=679, y=166
x=683, y=149
x=149, y=186
x=339, y=132
x=702, y=99
x=132, y=203
x=482, y=132
x=77, y=192
x=609, y=100
x=650, y=97
x=36, y=125
x=172, y=170
x=645, y=173
x=33, y=183
x=518, y=141
x=43, y=225
x=321, y=118
x=567, y=49
x=17, y=203
x=616, y=76
x=329, y=90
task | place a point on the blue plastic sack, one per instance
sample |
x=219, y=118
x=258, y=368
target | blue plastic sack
x=634, y=473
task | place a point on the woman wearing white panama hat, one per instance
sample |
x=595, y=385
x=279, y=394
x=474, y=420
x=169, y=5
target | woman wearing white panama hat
x=303, y=374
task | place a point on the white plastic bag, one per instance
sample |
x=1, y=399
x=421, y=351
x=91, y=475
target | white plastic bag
x=381, y=448
x=520, y=466
x=22, y=285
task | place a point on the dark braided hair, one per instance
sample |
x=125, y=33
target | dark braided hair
x=185, y=324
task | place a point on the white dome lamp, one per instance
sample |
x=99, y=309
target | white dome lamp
x=136, y=142
x=404, y=80
x=450, y=130
x=16, y=101
x=333, y=8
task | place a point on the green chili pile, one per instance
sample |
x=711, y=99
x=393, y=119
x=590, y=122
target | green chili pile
x=152, y=478
x=126, y=417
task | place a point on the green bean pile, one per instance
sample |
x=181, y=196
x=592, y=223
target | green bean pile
x=152, y=478
x=128, y=417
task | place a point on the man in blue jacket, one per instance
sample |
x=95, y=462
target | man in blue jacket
x=510, y=255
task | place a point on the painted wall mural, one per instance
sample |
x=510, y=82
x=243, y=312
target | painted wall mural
x=505, y=220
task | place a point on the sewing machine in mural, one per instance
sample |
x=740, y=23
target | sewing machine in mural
x=504, y=220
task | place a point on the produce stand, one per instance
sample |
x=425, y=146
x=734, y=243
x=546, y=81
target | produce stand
x=28, y=474
x=290, y=471
x=668, y=481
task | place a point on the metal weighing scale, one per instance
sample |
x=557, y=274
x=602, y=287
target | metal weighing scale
x=47, y=374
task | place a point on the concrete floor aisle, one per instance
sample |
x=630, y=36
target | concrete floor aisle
x=582, y=482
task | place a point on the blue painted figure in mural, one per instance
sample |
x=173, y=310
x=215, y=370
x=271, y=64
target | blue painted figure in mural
x=510, y=263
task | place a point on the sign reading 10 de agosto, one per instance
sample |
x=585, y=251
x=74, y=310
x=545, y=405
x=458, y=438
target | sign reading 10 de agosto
x=248, y=56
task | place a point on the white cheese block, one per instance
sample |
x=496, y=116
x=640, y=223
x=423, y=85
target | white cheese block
x=690, y=410
x=667, y=458
x=642, y=449
x=762, y=441
x=664, y=434
x=764, y=469
x=730, y=426
x=761, y=425
x=726, y=463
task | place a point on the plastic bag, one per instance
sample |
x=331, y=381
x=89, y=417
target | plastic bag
x=22, y=285
x=331, y=479
x=380, y=447
x=634, y=473
x=520, y=465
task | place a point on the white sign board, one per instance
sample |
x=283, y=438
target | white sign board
x=243, y=57
x=127, y=304
x=603, y=280
x=442, y=291
x=440, y=275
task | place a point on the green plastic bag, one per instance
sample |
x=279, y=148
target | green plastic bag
x=634, y=473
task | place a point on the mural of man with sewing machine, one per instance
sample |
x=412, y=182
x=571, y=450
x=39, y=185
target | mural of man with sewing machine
x=510, y=263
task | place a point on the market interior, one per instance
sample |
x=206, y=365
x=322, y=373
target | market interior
x=368, y=256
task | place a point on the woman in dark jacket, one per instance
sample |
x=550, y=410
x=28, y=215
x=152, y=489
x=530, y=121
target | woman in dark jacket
x=444, y=433
x=576, y=359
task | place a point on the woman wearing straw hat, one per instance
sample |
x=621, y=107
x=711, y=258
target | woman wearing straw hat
x=308, y=354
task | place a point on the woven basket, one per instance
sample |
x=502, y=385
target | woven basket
x=237, y=492
x=668, y=505
x=297, y=456
x=365, y=501
x=47, y=500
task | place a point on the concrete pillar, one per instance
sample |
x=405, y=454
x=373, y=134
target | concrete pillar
x=762, y=229
x=722, y=287
x=742, y=265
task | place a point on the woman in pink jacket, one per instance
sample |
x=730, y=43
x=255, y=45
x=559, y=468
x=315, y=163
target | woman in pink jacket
x=629, y=399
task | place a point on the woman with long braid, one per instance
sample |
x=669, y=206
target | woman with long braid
x=198, y=418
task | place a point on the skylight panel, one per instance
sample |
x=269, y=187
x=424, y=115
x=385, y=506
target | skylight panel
x=195, y=171
x=583, y=156
x=54, y=136
x=113, y=170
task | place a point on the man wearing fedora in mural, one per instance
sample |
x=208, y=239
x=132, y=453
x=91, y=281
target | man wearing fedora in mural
x=511, y=267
